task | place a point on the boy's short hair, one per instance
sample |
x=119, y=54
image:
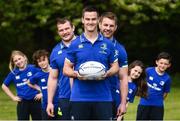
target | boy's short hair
x=164, y=55
x=38, y=54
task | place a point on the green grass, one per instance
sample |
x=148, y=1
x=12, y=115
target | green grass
x=172, y=105
x=7, y=106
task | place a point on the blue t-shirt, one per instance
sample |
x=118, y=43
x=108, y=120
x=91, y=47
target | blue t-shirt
x=123, y=62
x=58, y=63
x=82, y=50
x=41, y=79
x=157, y=86
x=19, y=78
x=132, y=89
x=56, y=51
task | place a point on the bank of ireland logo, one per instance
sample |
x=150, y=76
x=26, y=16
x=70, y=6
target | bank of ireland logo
x=103, y=48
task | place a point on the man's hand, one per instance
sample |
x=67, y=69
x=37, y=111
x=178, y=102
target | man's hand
x=50, y=109
x=121, y=109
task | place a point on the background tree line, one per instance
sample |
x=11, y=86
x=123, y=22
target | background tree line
x=146, y=27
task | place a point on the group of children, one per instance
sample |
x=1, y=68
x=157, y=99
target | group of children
x=151, y=84
x=31, y=85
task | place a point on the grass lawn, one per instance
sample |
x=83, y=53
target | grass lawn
x=7, y=106
x=172, y=105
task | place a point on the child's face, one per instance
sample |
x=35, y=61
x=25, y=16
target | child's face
x=135, y=72
x=43, y=62
x=19, y=61
x=162, y=65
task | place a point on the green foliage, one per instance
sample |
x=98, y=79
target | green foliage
x=146, y=26
x=145, y=10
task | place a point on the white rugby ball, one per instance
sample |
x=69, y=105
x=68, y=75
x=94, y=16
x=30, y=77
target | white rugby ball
x=92, y=70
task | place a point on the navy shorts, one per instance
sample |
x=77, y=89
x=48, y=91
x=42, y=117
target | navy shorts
x=150, y=112
x=91, y=111
x=27, y=108
x=64, y=109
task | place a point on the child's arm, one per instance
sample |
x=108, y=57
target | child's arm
x=10, y=94
x=34, y=86
x=165, y=95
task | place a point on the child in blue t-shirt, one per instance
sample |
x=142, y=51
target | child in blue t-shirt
x=40, y=58
x=158, y=81
x=137, y=85
x=28, y=99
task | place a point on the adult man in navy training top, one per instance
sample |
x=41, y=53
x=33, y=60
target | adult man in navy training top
x=56, y=77
x=91, y=99
x=108, y=26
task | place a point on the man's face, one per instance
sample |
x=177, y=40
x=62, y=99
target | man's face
x=90, y=21
x=107, y=27
x=65, y=31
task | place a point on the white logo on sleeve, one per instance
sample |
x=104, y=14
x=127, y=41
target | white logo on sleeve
x=17, y=77
x=59, y=52
x=117, y=91
x=116, y=53
x=43, y=80
x=130, y=91
x=151, y=78
x=29, y=74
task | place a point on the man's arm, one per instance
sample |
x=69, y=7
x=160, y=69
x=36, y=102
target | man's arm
x=113, y=69
x=123, y=75
x=51, y=87
x=68, y=69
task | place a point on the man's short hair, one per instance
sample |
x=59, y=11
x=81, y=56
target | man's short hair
x=89, y=9
x=109, y=15
x=63, y=21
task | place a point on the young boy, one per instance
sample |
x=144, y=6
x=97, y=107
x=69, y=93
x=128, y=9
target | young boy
x=152, y=107
x=40, y=57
